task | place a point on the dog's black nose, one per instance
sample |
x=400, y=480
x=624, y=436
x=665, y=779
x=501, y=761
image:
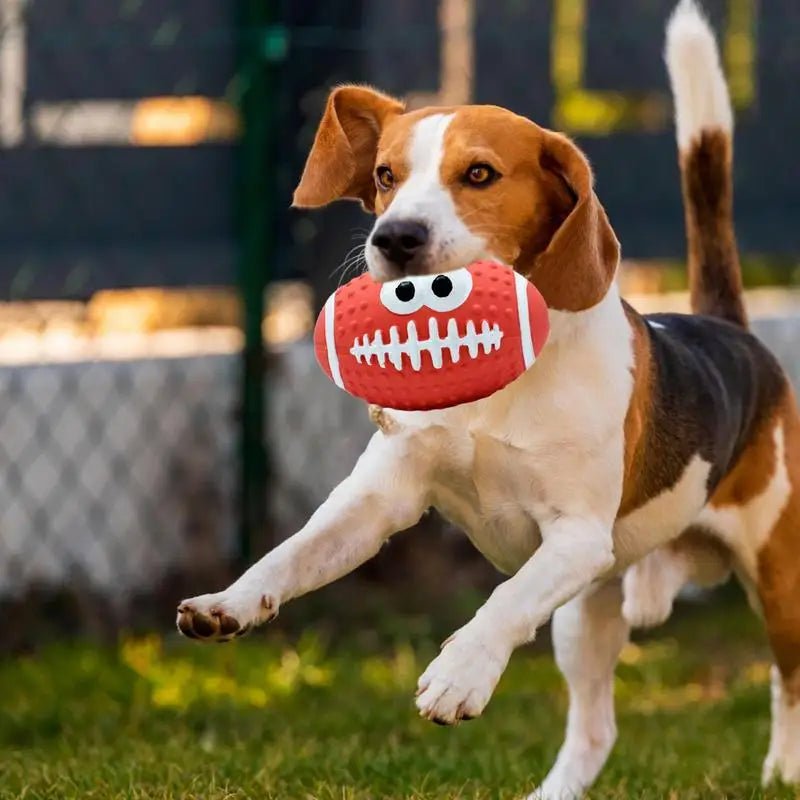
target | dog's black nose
x=400, y=240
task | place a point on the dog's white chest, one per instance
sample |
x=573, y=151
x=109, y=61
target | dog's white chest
x=495, y=519
x=548, y=444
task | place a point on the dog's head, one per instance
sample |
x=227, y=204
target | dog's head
x=453, y=185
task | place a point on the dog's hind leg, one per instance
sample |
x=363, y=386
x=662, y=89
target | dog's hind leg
x=779, y=595
x=651, y=585
x=588, y=634
x=783, y=758
x=779, y=591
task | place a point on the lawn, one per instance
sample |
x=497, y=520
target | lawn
x=276, y=717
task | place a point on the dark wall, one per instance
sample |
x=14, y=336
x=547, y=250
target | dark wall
x=81, y=218
x=77, y=219
x=636, y=170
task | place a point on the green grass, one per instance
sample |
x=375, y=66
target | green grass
x=270, y=718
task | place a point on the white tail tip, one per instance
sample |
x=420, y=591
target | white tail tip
x=698, y=83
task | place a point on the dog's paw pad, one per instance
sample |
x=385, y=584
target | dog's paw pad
x=214, y=626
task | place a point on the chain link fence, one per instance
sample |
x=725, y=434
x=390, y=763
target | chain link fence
x=149, y=152
x=120, y=322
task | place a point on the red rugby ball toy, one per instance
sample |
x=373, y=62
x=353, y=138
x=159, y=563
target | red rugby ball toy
x=431, y=341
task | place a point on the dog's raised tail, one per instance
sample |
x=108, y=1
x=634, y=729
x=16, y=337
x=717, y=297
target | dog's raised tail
x=704, y=123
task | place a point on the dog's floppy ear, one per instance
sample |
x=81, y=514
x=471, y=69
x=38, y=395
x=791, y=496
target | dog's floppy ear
x=342, y=157
x=577, y=267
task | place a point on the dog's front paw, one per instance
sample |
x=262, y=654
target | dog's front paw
x=459, y=682
x=225, y=615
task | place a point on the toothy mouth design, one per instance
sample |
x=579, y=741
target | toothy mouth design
x=393, y=351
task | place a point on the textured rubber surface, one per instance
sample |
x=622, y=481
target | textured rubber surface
x=431, y=341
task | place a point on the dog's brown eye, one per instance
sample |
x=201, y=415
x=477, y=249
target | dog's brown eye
x=384, y=177
x=480, y=174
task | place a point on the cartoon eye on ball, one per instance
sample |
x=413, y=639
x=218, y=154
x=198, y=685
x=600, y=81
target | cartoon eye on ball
x=444, y=292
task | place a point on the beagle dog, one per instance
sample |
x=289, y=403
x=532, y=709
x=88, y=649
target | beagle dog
x=639, y=453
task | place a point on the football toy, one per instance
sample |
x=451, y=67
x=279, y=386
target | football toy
x=431, y=341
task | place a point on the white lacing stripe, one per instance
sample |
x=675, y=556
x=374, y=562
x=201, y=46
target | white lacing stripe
x=330, y=341
x=528, y=355
x=487, y=339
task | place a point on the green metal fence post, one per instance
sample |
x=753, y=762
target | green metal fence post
x=258, y=71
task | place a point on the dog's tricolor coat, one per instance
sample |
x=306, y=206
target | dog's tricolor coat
x=639, y=453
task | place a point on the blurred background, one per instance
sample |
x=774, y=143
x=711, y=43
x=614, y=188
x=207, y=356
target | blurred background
x=163, y=420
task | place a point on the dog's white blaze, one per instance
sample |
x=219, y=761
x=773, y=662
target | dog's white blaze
x=330, y=341
x=488, y=338
x=427, y=147
x=422, y=197
x=521, y=286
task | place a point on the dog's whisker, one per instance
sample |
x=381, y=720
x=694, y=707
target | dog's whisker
x=350, y=265
x=353, y=256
